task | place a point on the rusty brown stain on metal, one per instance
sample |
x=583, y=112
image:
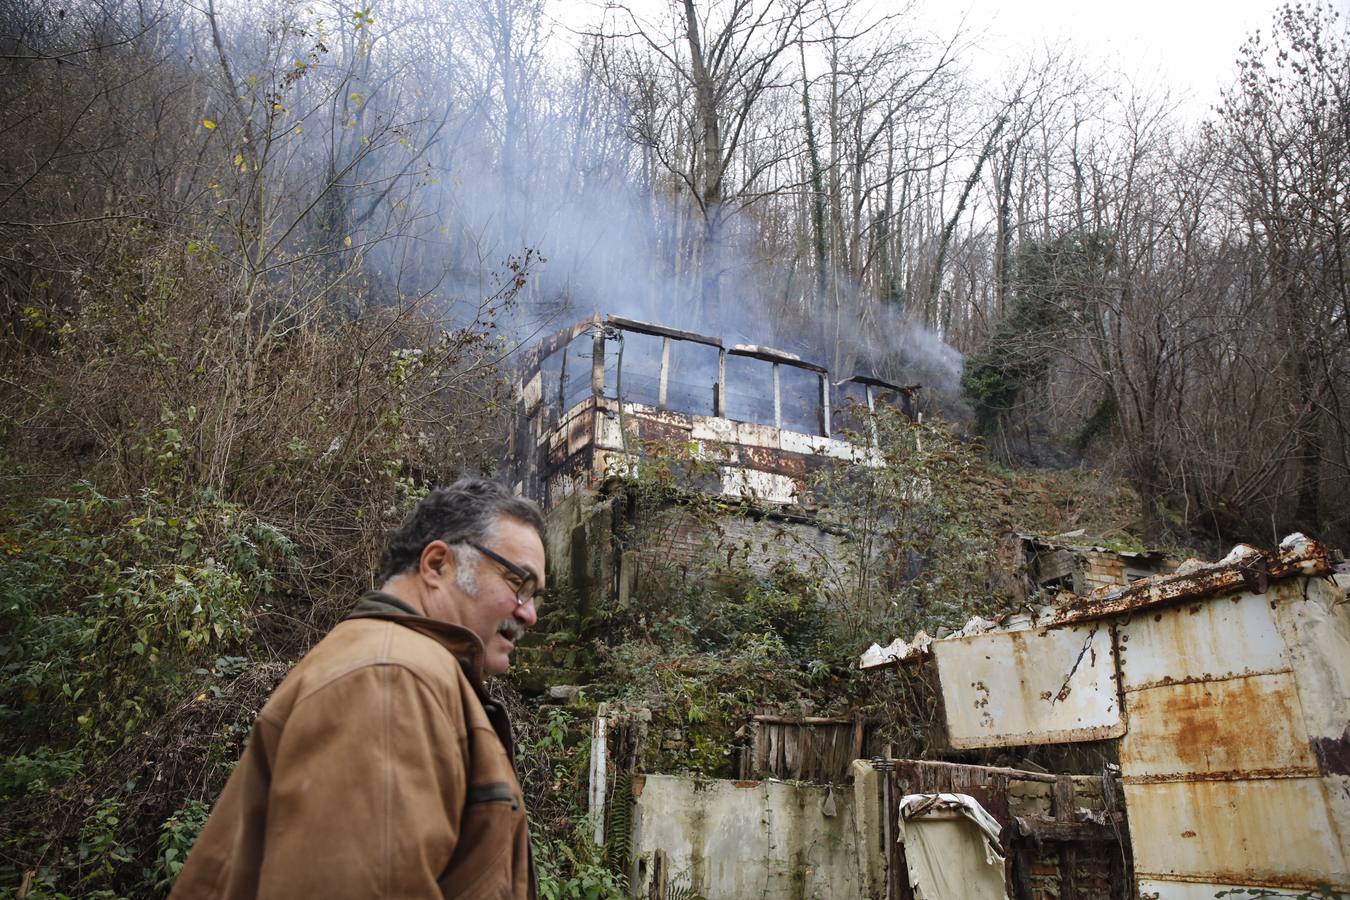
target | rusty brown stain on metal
x=779, y=462
x=1251, y=831
x=1333, y=753
x=579, y=433
x=1168, y=680
x=1235, y=775
x=1237, y=728
x=669, y=417
x=662, y=431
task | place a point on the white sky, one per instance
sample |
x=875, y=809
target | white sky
x=1187, y=46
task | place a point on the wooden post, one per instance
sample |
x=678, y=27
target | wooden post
x=1068, y=855
x=665, y=373
x=598, y=363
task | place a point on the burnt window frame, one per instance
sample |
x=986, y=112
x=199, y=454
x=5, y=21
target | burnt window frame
x=619, y=325
x=777, y=359
x=873, y=386
x=610, y=327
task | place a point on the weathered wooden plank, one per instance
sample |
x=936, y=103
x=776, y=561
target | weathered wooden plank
x=1044, y=828
x=1068, y=856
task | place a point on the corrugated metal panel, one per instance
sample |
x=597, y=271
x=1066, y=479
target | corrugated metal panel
x=1271, y=831
x=1207, y=639
x=1030, y=687
x=1184, y=731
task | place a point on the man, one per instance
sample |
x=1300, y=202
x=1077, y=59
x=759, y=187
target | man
x=379, y=767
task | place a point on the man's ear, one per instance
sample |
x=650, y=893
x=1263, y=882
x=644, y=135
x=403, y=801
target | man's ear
x=437, y=562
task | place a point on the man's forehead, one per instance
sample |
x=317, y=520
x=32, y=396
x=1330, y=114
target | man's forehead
x=513, y=536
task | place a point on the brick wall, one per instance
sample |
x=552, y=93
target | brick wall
x=1092, y=874
x=1096, y=871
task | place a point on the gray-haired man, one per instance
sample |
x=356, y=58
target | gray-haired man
x=379, y=767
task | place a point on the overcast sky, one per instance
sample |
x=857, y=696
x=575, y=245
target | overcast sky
x=1186, y=45
x=1189, y=45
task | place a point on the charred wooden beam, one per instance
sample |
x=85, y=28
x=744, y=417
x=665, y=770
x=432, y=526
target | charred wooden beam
x=1045, y=828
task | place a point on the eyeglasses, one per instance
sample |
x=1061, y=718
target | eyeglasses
x=521, y=578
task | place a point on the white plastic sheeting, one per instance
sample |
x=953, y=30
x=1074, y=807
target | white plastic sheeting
x=951, y=848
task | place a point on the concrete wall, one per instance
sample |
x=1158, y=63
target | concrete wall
x=579, y=545
x=735, y=840
x=674, y=537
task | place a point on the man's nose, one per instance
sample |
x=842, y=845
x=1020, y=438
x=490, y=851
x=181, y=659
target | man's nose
x=526, y=614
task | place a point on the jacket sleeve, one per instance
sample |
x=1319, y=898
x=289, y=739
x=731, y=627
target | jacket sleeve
x=367, y=786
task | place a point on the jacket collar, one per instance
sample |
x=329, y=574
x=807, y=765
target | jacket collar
x=463, y=643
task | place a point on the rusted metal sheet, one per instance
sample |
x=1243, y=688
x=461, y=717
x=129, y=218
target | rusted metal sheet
x=1260, y=832
x=1008, y=688
x=1315, y=621
x=1246, y=568
x=1204, y=640
x=1227, y=697
x=1186, y=731
x=661, y=429
x=569, y=477
x=580, y=432
x=780, y=462
x=665, y=421
x=1236, y=685
x=531, y=357
x=716, y=452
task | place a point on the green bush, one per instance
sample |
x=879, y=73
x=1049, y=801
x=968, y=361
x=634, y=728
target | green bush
x=113, y=611
x=107, y=603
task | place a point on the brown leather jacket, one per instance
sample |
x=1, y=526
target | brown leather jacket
x=378, y=768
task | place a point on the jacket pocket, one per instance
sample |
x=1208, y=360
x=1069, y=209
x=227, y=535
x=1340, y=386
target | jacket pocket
x=493, y=792
x=482, y=866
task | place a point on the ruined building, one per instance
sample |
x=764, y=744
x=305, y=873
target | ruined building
x=1219, y=693
x=592, y=398
x=592, y=394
